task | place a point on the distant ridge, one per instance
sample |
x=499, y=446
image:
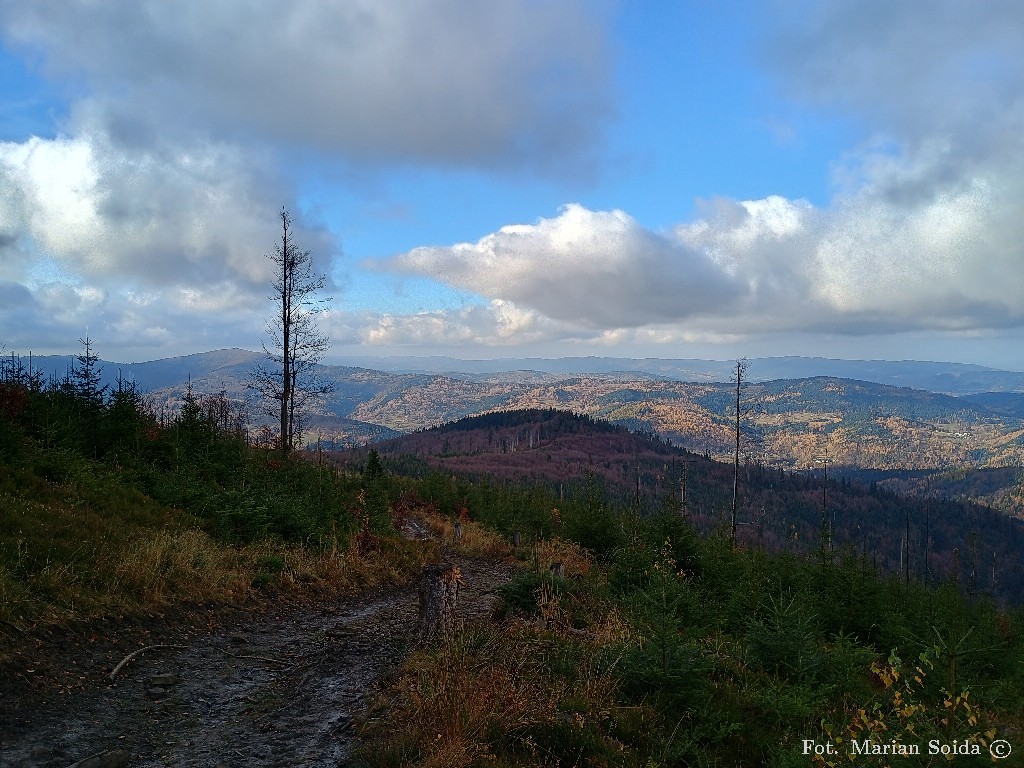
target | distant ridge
x=939, y=377
x=944, y=378
x=157, y=374
x=867, y=414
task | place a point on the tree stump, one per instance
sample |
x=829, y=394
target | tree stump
x=458, y=530
x=439, y=592
x=557, y=570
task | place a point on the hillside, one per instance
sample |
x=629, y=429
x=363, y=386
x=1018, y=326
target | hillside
x=789, y=422
x=180, y=545
x=780, y=510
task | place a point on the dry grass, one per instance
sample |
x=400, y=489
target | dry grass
x=189, y=565
x=494, y=695
x=575, y=560
x=476, y=541
x=64, y=562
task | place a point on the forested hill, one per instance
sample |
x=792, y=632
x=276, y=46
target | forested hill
x=788, y=422
x=780, y=510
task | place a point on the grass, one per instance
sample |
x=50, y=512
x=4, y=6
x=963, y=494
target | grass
x=590, y=669
x=508, y=695
x=80, y=549
x=476, y=540
x=529, y=691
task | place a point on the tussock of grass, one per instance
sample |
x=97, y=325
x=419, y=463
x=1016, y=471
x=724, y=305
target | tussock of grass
x=505, y=695
x=575, y=559
x=476, y=540
x=191, y=566
x=66, y=559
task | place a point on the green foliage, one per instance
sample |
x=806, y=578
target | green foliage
x=675, y=649
x=906, y=714
x=735, y=657
x=666, y=666
x=75, y=431
x=521, y=592
x=783, y=639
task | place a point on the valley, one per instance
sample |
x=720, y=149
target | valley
x=861, y=420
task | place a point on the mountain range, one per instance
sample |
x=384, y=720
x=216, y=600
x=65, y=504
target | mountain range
x=796, y=412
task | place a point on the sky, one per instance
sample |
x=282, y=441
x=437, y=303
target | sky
x=551, y=178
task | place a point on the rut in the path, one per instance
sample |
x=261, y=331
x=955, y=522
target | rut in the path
x=273, y=690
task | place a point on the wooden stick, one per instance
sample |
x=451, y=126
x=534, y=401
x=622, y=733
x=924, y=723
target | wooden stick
x=133, y=654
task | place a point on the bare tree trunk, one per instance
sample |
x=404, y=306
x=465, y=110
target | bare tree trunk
x=439, y=593
x=741, y=369
x=295, y=346
x=286, y=331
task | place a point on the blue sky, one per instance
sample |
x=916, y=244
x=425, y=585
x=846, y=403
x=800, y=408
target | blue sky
x=691, y=179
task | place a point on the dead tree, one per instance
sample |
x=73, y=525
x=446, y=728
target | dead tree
x=289, y=382
x=439, y=594
x=741, y=372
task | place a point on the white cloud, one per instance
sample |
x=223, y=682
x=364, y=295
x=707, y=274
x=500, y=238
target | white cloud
x=154, y=207
x=166, y=216
x=923, y=231
x=155, y=204
x=498, y=323
x=97, y=234
x=587, y=268
x=946, y=261
x=915, y=70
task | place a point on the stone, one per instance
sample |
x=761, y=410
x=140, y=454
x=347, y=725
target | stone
x=164, y=679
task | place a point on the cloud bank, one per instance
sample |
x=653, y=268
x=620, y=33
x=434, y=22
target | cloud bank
x=453, y=82
x=923, y=231
x=148, y=214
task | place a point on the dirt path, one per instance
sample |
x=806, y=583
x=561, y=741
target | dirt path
x=247, y=691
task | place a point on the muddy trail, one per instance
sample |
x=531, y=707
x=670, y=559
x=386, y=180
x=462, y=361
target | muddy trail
x=231, y=688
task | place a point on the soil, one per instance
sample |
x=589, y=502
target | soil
x=269, y=687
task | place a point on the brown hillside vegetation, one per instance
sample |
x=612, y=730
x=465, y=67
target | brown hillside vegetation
x=778, y=509
x=786, y=423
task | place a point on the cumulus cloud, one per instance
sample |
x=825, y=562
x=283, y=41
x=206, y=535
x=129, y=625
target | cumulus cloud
x=591, y=268
x=147, y=216
x=158, y=216
x=862, y=265
x=128, y=241
x=496, y=323
x=155, y=204
x=168, y=218
x=923, y=230
x=450, y=82
x=915, y=69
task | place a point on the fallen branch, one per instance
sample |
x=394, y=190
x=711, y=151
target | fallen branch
x=133, y=654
